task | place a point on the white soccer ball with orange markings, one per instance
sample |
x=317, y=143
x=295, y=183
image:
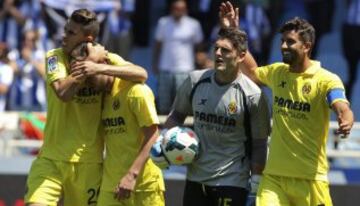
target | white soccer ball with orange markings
x=180, y=145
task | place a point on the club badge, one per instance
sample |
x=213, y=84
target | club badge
x=232, y=107
x=306, y=89
x=116, y=104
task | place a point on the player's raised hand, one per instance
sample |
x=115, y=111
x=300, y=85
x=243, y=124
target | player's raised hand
x=228, y=16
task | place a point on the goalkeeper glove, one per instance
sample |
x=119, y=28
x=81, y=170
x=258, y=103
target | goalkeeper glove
x=156, y=153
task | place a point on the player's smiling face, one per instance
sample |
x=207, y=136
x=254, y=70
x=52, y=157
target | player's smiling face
x=73, y=35
x=292, y=48
x=226, y=56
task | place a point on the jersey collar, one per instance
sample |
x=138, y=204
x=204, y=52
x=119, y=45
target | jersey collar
x=315, y=66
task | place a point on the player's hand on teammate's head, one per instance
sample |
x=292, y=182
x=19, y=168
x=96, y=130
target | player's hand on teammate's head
x=78, y=75
x=89, y=68
x=228, y=15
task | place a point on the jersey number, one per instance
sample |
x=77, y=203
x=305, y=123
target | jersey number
x=93, y=194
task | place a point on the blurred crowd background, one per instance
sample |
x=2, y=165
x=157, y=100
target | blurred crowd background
x=169, y=38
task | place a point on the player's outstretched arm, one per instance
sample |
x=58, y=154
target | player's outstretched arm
x=128, y=182
x=345, y=118
x=128, y=71
x=249, y=67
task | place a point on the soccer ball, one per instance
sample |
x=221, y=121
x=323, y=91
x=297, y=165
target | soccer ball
x=180, y=145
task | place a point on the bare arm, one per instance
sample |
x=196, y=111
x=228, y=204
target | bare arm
x=345, y=117
x=174, y=119
x=259, y=154
x=249, y=66
x=66, y=88
x=129, y=72
x=156, y=57
x=128, y=182
x=132, y=72
x=96, y=63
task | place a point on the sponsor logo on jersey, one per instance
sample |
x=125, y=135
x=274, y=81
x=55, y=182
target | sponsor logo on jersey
x=306, y=89
x=293, y=105
x=215, y=119
x=116, y=104
x=52, y=63
x=113, y=121
x=88, y=92
x=232, y=108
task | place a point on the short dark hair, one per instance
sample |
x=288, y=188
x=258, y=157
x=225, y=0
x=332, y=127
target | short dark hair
x=88, y=20
x=237, y=37
x=305, y=30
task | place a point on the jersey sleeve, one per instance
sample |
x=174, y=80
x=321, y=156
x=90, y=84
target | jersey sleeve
x=335, y=91
x=142, y=104
x=182, y=102
x=118, y=60
x=259, y=116
x=55, y=67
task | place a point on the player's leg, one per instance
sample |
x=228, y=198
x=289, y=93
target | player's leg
x=271, y=192
x=195, y=194
x=228, y=196
x=82, y=184
x=301, y=192
x=44, y=183
x=320, y=193
x=308, y=193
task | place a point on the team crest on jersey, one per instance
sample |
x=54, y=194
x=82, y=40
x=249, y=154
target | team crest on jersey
x=52, y=63
x=232, y=107
x=116, y=104
x=306, y=89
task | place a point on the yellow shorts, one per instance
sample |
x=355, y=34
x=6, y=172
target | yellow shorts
x=75, y=183
x=146, y=198
x=286, y=191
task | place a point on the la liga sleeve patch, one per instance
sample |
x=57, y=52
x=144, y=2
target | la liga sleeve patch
x=52, y=63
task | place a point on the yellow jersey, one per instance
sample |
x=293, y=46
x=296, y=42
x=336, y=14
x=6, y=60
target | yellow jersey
x=72, y=131
x=301, y=114
x=127, y=109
